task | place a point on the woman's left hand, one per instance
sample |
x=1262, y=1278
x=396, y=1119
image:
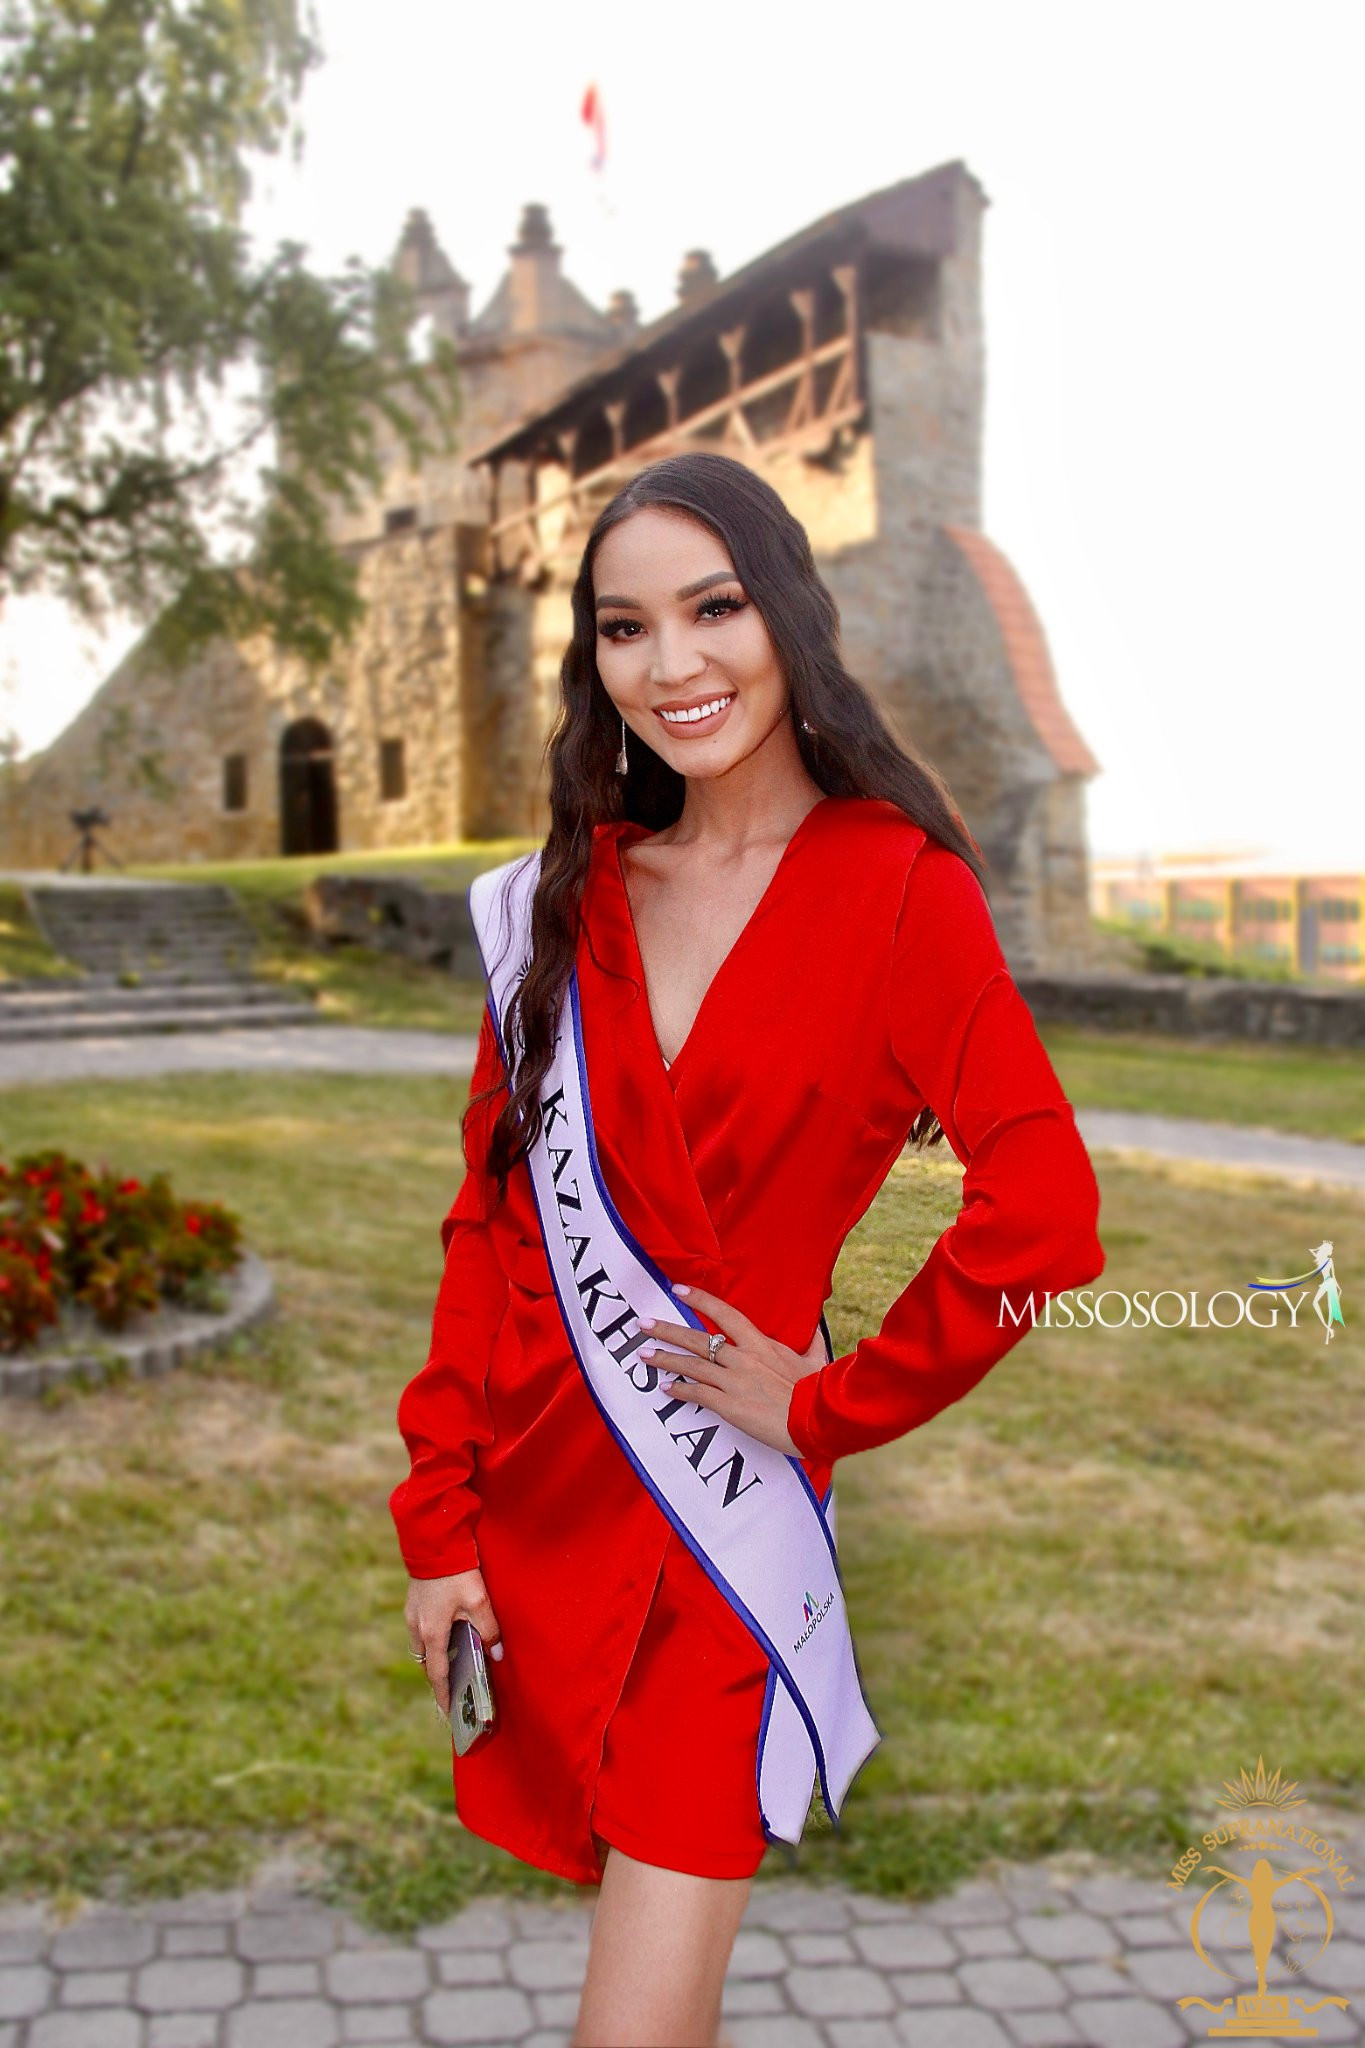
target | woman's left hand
x=750, y=1383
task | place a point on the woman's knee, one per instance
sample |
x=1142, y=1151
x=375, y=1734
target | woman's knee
x=658, y=1956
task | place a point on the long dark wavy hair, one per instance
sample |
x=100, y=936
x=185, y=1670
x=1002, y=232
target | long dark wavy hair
x=852, y=751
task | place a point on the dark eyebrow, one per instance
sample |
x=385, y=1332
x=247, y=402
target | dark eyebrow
x=720, y=576
x=630, y=604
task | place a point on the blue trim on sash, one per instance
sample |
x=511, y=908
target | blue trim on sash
x=628, y=1237
x=690, y=1316
x=769, y=1688
x=775, y=1661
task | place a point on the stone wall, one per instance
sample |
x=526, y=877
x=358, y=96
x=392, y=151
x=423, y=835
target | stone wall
x=150, y=746
x=386, y=914
x=1068, y=934
x=1195, y=1006
x=503, y=727
x=968, y=718
x=499, y=379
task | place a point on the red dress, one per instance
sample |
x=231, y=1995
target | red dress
x=868, y=982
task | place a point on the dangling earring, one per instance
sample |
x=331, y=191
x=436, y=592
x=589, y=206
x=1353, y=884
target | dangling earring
x=622, y=765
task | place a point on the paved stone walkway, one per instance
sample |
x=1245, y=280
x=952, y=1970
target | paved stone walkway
x=321, y=1049
x=344, y=1049
x=1038, y=1957
x=1329, y=1161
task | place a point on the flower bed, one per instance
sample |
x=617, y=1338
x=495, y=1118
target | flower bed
x=84, y=1241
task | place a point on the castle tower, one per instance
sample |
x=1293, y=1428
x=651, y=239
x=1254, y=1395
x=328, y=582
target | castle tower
x=536, y=334
x=422, y=264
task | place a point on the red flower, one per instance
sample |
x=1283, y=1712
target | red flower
x=132, y=1263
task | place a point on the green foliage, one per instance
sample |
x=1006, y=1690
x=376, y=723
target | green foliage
x=1169, y=953
x=176, y=412
x=108, y=1244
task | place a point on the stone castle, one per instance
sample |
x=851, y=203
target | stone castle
x=847, y=364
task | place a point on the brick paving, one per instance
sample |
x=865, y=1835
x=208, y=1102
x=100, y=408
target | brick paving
x=1065, y=1954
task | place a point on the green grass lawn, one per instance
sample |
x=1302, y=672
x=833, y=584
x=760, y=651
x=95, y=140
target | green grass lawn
x=24, y=954
x=450, y=867
x=1125, y=1566
x=1318, y=1090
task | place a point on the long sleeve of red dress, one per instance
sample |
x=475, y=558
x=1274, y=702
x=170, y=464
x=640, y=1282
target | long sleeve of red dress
x=867, y=983
x=443, y=1414
x=965, y=1041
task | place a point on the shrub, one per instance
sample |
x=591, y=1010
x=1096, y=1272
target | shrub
x=70, y=1235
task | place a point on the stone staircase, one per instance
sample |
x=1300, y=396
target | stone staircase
x=154, y=957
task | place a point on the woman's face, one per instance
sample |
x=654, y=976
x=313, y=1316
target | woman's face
x=677, y=633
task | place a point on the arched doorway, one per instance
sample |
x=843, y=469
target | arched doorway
x=308, y=791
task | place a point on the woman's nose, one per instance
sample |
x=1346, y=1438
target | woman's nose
x=677, y=659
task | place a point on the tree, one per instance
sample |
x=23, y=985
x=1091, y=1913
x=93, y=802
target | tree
x=176, y=411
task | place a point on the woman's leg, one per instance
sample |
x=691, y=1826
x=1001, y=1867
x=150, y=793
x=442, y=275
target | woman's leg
x=658, y=1952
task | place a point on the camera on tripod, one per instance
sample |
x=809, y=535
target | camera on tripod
x=88, y=845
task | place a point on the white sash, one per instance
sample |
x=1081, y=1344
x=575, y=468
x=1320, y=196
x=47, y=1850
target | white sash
x=747, y=1511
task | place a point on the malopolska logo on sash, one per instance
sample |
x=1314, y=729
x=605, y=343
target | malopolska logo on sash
x=747, y=1511
x=814, y=1613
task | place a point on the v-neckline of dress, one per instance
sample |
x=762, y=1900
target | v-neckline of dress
x=669, y=1068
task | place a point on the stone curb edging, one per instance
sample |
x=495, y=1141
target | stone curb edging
x=179, y=1336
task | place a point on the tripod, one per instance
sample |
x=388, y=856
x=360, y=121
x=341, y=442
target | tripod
x=89, y=843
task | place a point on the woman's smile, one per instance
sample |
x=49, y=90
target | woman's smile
x=682, y=650
x=703, y=714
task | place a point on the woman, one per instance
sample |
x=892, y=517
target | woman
x=785, y=965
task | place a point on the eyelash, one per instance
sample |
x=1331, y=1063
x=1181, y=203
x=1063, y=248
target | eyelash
x=609, y=628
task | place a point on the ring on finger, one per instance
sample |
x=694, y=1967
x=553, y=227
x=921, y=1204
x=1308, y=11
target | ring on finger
x=713, y=1344
x=419, y=1655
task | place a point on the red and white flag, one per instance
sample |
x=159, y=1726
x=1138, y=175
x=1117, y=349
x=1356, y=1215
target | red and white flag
x=595, y=121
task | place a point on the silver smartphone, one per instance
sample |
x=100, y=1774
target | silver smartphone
x=471, y=1693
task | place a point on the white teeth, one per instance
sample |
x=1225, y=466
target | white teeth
x=697, y=711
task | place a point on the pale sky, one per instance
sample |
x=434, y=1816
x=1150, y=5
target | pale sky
x=1175, y=314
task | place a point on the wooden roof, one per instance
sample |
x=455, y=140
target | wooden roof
x=916, y=217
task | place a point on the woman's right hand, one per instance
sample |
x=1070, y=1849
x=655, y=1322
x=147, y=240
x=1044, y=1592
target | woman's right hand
x=433, y=1608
